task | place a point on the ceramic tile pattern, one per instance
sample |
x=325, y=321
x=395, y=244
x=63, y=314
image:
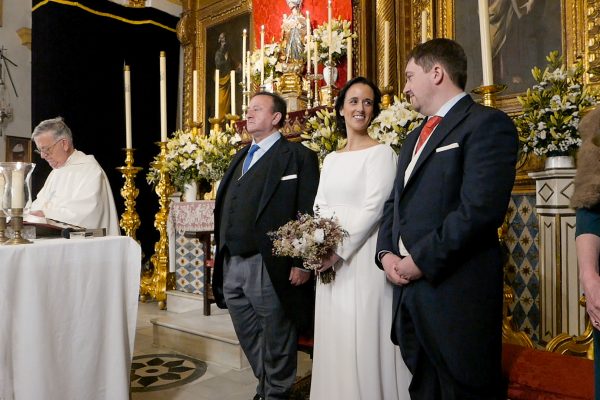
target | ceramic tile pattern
x=189, y=264
x=521, y=270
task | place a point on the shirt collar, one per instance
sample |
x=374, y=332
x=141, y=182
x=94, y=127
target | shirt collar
x=268, y=142
x=449, y=104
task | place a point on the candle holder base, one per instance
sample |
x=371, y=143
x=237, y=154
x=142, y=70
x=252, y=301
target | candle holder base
x=232, y=120
x=215, y=123
x=328, y=94
x=386, y=96
x=489, y=93
x=3, y=237
x=17, y=225
x=130, y=219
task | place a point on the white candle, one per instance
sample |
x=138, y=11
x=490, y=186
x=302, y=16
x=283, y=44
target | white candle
x=163, y=97
x=316, y=59
x=262, y=55
x=127, y=77
x=2, y=182
x=216, y=93
x=244, y=35
x=486, y=43
x=386, y=54
x=308, y=58
x=307, y=24
x=349, y=59
x=17, y=189
x=249, y=72
x=329, y=32
x=232, y=79
x=423, y=26
x=194, y=96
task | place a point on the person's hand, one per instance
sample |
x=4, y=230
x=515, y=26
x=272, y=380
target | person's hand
x=328, y=261
x=390, y=262
x=37, y=213
x=298, y=276
x=591, y=288
x=408, y=269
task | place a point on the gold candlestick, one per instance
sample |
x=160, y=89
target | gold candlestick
x=3, y=237
x=16, y=222
x=157, y=284
x=232, y=120
x=316, y=78
x=130, y=220
x=489, y=93
x=215, y=123
x=196, y=126
x=386, y=96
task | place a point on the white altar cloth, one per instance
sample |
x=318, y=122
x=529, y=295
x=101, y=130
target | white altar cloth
x=68, y=310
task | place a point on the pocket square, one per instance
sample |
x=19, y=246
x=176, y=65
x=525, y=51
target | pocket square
x=448, y=147
x=288, y=177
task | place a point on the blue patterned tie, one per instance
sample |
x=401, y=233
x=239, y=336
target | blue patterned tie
x=249, y=157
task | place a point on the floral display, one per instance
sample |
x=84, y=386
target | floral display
x=340, y=32
x=322, y=135
x=310, y=238
x=552, y=109
x=394, y=123
x=197, y=157
x=273, y=67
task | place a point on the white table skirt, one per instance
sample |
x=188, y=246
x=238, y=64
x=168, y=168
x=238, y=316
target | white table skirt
x=68, y=312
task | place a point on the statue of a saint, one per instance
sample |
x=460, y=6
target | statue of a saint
x=293, y=30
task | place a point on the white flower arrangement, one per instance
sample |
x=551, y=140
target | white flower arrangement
x=340, y=32
x=552, y=109
x=273, y=67
x=322, y=135
x=218, y=149
x=394, y=123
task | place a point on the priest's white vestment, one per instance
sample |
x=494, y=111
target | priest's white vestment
x=78, y=193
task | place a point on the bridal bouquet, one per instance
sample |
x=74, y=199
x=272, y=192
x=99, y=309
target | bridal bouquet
x=310, y=237
x=394, y=123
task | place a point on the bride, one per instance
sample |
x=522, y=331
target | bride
x=354, y=357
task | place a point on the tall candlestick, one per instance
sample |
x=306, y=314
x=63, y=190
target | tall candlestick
x=329, y=32
x=486, y=43
x=244, y=35
x=307, y=24
x=194, y=96
x=249, y=76
x=386, y=54
x=232, y=80
x=262, y=55
x=217, y=93
x=17, y=189
x=308, y=58
x=163, y=97
x=127, y=77
x=423, y=26
x=349, y=59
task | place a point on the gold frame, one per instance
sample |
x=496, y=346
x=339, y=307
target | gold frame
x=196, y=19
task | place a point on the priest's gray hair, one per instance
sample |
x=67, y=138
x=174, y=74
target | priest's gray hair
x=56, y=126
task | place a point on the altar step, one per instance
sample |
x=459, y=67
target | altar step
x=207, y=338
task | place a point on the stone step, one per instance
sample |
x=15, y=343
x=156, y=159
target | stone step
x=180, y=302
x=207, y=338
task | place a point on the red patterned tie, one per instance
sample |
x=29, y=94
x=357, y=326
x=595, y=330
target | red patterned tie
x=427, y=129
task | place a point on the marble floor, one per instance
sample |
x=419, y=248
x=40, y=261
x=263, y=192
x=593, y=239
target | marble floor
x=217, y=383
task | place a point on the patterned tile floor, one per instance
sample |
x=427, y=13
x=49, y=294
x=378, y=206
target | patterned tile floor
x=216, y=383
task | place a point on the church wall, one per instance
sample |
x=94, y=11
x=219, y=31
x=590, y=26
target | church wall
x=16, y=15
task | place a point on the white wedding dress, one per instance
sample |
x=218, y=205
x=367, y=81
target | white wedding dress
x=354, y=357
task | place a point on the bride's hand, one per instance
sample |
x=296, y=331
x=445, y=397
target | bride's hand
x=328, y=261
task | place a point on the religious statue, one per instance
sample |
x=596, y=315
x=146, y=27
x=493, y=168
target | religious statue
x=293, y=31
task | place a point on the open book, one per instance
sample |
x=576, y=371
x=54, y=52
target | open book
x=48, y=227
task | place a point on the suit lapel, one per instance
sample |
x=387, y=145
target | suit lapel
x=450, y=121
x=277, y=168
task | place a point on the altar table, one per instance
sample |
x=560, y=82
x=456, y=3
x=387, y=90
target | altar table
x=68, y=310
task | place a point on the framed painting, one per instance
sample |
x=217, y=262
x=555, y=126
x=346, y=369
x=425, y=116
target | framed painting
x=18, y=149
x=224, y=53
x=524, y=32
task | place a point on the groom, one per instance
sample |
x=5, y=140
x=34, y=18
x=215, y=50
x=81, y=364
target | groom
x=438, y=238
x=269, y=298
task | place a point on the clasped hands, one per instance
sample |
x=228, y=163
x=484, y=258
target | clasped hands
x=400, y=271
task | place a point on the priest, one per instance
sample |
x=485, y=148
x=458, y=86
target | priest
x=77, y=190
